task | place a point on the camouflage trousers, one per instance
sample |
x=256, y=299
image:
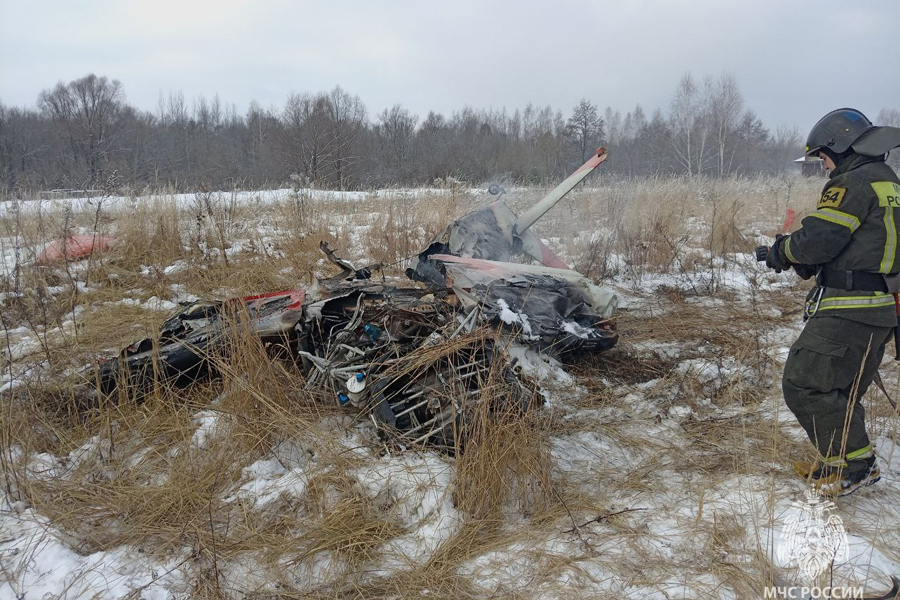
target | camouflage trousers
x=828, y=370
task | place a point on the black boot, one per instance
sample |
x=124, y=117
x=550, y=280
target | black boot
x=840, y=480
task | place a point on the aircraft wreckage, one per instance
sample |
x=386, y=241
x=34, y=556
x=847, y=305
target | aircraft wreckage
x=417, y=356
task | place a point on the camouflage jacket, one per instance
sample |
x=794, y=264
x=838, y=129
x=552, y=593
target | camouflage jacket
x=854, y=228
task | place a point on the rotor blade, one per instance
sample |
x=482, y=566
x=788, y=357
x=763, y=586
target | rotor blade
x=549, y=201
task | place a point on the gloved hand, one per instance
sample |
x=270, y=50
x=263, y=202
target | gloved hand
x=761, y=253
x=806, y=271
x=774, y=258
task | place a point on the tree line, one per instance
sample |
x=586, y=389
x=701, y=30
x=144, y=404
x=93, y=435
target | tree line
x=84, y=134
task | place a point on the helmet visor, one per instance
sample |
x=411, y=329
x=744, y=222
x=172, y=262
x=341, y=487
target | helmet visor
x=813, y=151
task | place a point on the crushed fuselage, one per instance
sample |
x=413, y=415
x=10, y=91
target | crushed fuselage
x=417, y=358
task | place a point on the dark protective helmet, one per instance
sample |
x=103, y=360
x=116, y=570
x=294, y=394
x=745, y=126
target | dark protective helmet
x=837, y=131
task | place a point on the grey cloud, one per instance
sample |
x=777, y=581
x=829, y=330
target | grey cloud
x=794, y=61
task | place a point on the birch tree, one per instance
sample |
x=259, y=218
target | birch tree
x=724, y=112
x=689, y=133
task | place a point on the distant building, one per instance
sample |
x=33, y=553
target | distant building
x=811, y=167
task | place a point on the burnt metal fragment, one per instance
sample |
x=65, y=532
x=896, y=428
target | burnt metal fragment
x=418, y=360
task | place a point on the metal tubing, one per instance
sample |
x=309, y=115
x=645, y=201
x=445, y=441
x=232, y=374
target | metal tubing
x=429, y=421
x=434, y=430
x=465, y=323
x=440, y=415
x=411, y=408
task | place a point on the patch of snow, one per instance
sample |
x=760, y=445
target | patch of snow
x=45, y=567
x=540, y=366
x=510, y=317
x=209, y=426
x=152, y=303
x=417, y=489
x=577, y=330
x=179, y=266
x=180, y=293
x=267, y=480
x=21, y=347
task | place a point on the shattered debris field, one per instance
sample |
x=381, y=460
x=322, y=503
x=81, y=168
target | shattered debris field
x=485, y=453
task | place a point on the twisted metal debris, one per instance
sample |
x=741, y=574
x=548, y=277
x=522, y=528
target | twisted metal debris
x=417, y=356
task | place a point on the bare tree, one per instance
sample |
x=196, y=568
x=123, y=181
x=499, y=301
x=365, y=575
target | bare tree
x=261, y=125
x=613, y=122
x=753, y=151
x=585, y=129
x=689, y=127
x=889, y=117
x=86, y=112
x=346, y=116
x=652, y=145
x=784, y=147
x=320, y=132
x=304, y=138
x=396, y=132
x=8, y=172
x=327, y=137
x=547, y=141
x=724, y=111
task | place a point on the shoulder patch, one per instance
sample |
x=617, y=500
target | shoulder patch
x=832, y=197
x=888, y=193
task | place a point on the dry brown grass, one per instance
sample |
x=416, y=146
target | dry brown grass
x=343, y=521
x=136, y=478
x=134, y=475
x=505, y=463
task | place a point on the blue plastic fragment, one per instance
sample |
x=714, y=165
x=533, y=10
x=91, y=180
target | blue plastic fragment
x=372, y=330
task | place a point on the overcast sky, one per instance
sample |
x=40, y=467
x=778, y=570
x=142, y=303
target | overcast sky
x=793, y=59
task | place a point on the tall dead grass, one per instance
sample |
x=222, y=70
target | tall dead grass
x=133, y=471
x=674, y=225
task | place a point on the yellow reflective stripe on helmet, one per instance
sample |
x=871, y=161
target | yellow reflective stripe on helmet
x=837, y=217
x=787, y=251
x=890, y=241
x=861, y=453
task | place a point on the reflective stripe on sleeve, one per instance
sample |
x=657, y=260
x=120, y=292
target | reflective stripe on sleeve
x=787, y=251
x=890, y=241
x=837, y=217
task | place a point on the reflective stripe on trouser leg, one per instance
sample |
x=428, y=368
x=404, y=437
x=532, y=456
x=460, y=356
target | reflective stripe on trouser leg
x=838, y=461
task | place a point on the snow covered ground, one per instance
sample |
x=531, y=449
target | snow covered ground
x=669, y=468
x=114, y=202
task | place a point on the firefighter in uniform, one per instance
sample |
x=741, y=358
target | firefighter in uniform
x=850, y=245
